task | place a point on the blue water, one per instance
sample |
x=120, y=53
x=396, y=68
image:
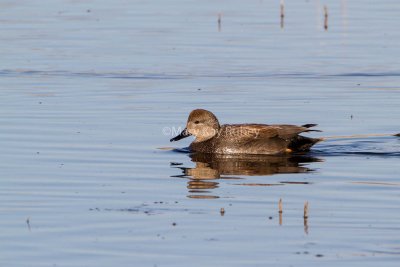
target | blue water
x=87, y=90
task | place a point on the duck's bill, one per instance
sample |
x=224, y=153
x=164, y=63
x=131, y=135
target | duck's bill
x=182, y=135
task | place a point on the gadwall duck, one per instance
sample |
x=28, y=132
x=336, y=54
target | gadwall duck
x=244, y=138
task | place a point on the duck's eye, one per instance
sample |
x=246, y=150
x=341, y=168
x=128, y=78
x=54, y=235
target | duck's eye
x=196, y=122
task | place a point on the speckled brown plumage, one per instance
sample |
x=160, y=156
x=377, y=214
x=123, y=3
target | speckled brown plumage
x=244, y=138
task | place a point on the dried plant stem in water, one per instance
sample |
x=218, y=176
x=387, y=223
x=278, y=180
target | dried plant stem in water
x=280, y=211
x=306, y=226
x=305, y=210
x=282, y=14
x=222, y=211
x=326, y=17
x=219, y=21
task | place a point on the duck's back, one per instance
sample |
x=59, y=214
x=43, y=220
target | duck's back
x=257, y=139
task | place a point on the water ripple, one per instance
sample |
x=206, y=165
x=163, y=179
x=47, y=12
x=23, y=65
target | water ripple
x=168, y=76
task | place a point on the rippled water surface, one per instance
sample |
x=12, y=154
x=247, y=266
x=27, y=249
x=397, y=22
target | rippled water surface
x=90, y=90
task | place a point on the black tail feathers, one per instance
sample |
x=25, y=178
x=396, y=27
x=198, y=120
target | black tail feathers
x=302, y=143
x=310, y=125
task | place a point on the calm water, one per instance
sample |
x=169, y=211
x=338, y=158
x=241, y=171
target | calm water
x=90, y=89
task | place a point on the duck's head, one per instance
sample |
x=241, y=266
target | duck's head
x=202, y=124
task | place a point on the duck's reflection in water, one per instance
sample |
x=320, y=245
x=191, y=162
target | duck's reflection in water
x=209, y=168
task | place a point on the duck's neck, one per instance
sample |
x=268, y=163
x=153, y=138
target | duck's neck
x=206, y=134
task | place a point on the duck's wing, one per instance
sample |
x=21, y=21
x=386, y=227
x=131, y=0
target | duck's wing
x=289, y=131
x=244, y=132
x=263, y=131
